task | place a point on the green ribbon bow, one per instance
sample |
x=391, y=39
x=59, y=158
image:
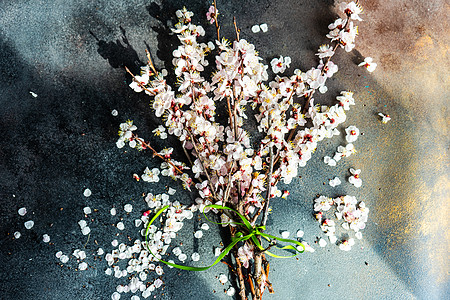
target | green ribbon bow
x=252, y=233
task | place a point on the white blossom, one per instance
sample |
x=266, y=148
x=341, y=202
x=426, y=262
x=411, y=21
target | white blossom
x=384, y=118
x=368, y=64
x=279, y=65
x=355, y=179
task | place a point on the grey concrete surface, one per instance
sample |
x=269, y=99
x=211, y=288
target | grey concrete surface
x=72, y=53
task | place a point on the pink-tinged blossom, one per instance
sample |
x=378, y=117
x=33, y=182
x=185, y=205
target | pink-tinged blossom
x=330, y=68
x=368, y=64
x=211, y=14
x=245, y=253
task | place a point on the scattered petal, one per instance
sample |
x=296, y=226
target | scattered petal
x=87, y=192
x=29, y=224
x=114, y=243
x=82, y=266
x=85, y=230
x=22, y=211
x=33, y=94
x=285, y=234
x=17, y=235
x=113, y=211
x=217, y=251
x=64, y=258
x=82, y=223
x=255, y=28
x=128, y=208
x=46, y=238
x=198, y=234
x=204, y=226
x=114, y=113
x=195, y=256
x=223, y=278
x=231, y=291
x=264, y=27
x=87, y=210
x=300, y=233
x=322, y=243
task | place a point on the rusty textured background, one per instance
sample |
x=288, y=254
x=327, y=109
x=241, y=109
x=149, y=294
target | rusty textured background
x=71, y=54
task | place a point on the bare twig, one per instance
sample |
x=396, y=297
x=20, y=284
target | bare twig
x=216, y=21
x=236, y=29
x=150, y=62
x=155, y=153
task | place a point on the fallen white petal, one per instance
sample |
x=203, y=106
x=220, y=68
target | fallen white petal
x=22, y=211
x=128, y=208
x=64, y=259
x=264, y=27
x=322, y=243
x=204, y=226
x=114, y=113
x=114, y=243
x=87, y=210
x=17, y=234
x=198, y=234
x=113, y=211
x=195, y=256
x=255, y=28
x=217, y=251
x=231, y=291
x=82, y=266
x=29, y=224
x=46, y=238
x=87, y=192
x=300, y=233
x=285, y=234
x=86, y=230
x=223, y=278
x=120, y=226
x=82, y=223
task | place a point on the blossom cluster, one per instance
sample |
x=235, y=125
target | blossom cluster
x=227, y=166
x=348, y=209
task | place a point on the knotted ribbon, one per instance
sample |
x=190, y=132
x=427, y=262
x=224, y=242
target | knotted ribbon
x=252, y=232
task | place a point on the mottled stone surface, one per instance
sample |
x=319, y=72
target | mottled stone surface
x=72, y=53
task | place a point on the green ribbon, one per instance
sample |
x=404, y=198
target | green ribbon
x=252, y=233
